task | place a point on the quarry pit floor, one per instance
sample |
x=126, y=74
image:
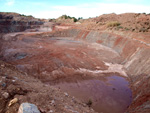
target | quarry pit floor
x=87, y=71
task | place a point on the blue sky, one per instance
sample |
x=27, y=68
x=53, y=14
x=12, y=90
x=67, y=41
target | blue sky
x=76, y=8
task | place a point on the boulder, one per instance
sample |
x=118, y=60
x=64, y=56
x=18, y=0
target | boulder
x=28, y=108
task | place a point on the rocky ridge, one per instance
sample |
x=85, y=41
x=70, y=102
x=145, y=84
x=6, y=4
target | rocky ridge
x=14, y=22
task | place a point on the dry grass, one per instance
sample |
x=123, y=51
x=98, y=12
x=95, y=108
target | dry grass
x=113, y=24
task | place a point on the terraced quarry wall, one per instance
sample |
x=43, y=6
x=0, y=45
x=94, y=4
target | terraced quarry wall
x=13, y=22
x=133, y=52
x=135, y=58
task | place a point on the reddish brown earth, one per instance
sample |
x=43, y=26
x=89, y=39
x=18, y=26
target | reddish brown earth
x=73, y=52
x=28, y=89
x=128, y=22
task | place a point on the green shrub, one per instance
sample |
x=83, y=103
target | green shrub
x=80, y=18
x=74, y=19
x=126, y=28
x=144, y=13
x=68, y=17
x=26, y=15
x=119, y=27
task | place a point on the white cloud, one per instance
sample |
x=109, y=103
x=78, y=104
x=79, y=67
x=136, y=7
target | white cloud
x=91, y=10
x=10, y=2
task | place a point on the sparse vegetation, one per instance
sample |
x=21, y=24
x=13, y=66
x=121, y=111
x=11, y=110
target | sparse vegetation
x=113, y=24
x=89, y=103
x=144, y=13
x=80, y=18
x=126, y=28
x=143, y=30
x=69, y=17
x=100, y=23
x=119, y=27
x=26, y=15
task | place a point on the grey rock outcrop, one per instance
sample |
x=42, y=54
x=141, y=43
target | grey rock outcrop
x=28, y=108
x=14, y=22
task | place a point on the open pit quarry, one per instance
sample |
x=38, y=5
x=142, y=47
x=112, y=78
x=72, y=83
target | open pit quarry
x=73, y=68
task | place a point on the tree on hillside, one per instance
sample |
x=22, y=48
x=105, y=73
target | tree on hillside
x=69, y=17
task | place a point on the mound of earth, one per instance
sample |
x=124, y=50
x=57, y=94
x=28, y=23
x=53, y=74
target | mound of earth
x=123, y=22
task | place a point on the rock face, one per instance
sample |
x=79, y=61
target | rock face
x=130, y=46
x=28, y=108
x=13, y=22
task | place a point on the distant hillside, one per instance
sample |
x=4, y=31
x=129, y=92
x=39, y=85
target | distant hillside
x=134, y=22
x=66, y=19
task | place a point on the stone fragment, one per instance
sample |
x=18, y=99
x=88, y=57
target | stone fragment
x=28, y=108
x=2, y=65
x=66, y=94
x=2, y=84
x=51, y=111
x=4, y=79
x=147, y=106
x=52, y=102
x=5, y=95
x=13, y=101
x=13, y=81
